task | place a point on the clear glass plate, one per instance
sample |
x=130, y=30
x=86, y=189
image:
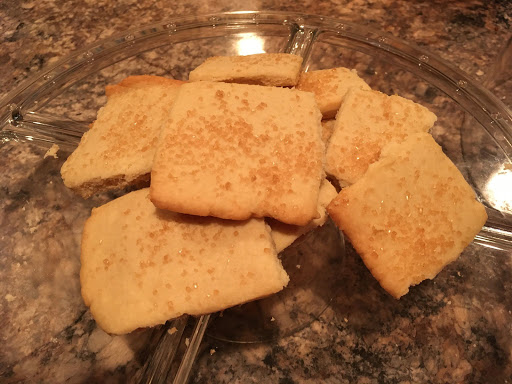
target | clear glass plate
x=474, y=128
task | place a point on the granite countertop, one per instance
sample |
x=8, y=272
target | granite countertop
x=453, y=329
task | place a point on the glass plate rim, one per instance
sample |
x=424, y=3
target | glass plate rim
x=494, y=116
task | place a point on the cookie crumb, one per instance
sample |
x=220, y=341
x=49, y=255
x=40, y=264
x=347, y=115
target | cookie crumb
x=212, y=351
x=172, y=331
x=52, y=152
x=9, y=297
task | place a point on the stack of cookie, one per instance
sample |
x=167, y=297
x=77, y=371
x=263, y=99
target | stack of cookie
x=237, y=160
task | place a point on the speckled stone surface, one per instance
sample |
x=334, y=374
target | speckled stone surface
x=453, y=329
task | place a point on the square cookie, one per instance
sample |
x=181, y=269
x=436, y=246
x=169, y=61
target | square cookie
x=236, y=151
x=118, y=149
x=142, y=266
x=410, y=215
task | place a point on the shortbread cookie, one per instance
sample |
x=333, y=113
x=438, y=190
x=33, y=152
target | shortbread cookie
x=411, y=214
x=330, y=87
x=236, y=151
x=285, y=234
x=275, y=69
x=142, y=266
x=366, y=121
x=118, y=149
